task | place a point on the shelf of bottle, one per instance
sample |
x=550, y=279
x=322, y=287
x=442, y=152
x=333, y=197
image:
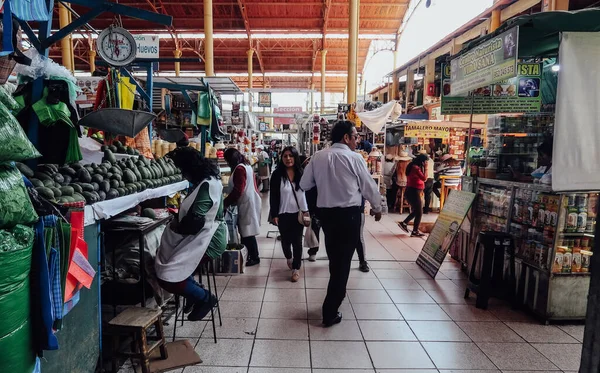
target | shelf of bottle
x=571, y=273
x=577, y=234
x=489, y=214
x=534, y=226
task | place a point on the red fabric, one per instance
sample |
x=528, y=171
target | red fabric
x=239, y=185
x=416, y=178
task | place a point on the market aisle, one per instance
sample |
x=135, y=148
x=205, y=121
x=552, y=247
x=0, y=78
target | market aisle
x=396, y=319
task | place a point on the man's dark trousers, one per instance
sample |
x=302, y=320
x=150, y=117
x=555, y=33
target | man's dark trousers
x=341, y=227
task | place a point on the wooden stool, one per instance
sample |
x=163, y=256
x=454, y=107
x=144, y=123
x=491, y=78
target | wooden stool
x=445, y=189
x=400, y=203
x=134, y=322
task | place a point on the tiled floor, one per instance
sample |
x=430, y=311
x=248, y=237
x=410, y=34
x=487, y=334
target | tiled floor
x=396, y=320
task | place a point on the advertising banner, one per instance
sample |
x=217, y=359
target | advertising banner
x=264, y=99
x=89, y=89
x=278, y=121
x=493, y=61
x=516, y=95
x=428, y=131
x=444, y=231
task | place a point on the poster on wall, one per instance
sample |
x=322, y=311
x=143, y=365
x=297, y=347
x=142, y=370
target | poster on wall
x=89, y=89
x=493, y=61
x=427, y=131
x=264, y=99
x=444, y=231
x=521, y=94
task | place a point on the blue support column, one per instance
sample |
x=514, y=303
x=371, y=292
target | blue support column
x=149, y=88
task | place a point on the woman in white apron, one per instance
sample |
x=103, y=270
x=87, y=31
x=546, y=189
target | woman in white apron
x=243, y=192
x=199, y=230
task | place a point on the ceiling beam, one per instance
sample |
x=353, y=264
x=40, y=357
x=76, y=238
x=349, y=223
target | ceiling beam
x=249, y=34
x=326, y=7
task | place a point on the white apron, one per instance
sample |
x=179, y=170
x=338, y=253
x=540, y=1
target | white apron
x=178, y=255
x=249, y=205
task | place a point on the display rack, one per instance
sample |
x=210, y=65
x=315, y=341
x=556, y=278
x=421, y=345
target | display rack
x=553, y=239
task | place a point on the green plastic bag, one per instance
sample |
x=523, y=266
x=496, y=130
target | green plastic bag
x=7, y=99
x=14, y=199
x=17, y=350
x=15, y=308
x=16, y=246
x=14, y=144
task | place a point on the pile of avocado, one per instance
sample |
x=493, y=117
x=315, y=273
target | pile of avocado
x=119, y=148
x=98, y=182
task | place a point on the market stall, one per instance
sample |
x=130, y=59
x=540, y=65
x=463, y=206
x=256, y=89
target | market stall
x=552, y=230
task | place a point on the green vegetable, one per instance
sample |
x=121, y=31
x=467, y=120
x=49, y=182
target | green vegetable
x=84, y=176
x=36, y=183
x=76, y=188
x=97, y=178
x=67, y=191
x=57, y=192
x=15, y=204
x=45, y=192
x=149, y=213
x=14, y=144
x=26, y=171
x=87, y=187
x=109, y=156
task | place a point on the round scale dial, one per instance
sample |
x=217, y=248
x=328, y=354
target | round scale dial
x=116, y=46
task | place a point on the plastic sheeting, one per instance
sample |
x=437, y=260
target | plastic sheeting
x=577, y=130
x=375, y=120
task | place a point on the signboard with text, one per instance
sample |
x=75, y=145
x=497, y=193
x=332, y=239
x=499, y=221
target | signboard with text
x=428, y=131
x=278, y=121
x=264, y=99
x=444, y=231
x=516, y=95
x=492, y=61
x=147, y=46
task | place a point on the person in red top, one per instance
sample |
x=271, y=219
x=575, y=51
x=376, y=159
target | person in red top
x=415, y=184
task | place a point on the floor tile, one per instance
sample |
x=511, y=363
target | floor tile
x=243, y=294
x=376, y=311
x=471, y=371
x=283, y=310
x=410, y=296
x=489, y=331
x=467, y=312
x=207, y=369
x=407, y=371
x=390, y=355
x=536, y=333
x=239, y=309
x=422, y=312
x=449, y=296
x=385, y=264
x=400, y=284
x=311, y=271
x=391, y=273
x=343, y=371
x=347, y=330
x=316, y=282
x=315, y=311
x=279, y=370
x=454, y=275
x=438, y=331
x=284, y=354
x=261, y=269
x=368, y=296
x=516, y=356
x=282, y=329
x=379, y=330
x=364, y=284
x=457, y=355
x=242, y=328
x=431, y=284
x=247, y=282
x=189, y=329
x=565, y=356
x=285, y=295
x=225, y=353
x=506, y=313
x=347, y=355
x=284, y=282
x=575, y=331
x=419, y=273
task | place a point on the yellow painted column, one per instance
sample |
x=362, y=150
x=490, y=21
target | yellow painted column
x=92, y=60
x=352, y=50
x=208, y=38
x=250, y=53
x=495, y=21
x=71, y=43
x=66, y=42
x=177, y=53
x=323, y=78
x=394, y=85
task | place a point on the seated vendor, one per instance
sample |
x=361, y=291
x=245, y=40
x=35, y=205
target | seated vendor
x=199, y=230
x=544, y=172
x=450, y=166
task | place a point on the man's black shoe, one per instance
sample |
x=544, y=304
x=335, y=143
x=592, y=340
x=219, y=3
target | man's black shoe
x=201, y=309
x=252, y=262
x=335, y=320
x=364, y=267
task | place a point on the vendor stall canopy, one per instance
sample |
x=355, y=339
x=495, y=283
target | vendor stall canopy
x=539, y=33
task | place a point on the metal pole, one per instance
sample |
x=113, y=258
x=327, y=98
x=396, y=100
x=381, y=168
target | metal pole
x=208, y=38
x=470, y=138
x=312, y=98
x=323, y=78
x=65, y=43
x=352, y=50
x=250, y=53
x=177, y=53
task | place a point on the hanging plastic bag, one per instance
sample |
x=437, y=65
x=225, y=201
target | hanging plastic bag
x=17, y=350
x=7, y=99
x=310, y=238
x=14, y=199
x=14, y=144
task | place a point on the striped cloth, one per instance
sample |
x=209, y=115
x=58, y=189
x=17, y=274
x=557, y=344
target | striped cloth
x=452, y=171
x=30, y=10
x=56, y=292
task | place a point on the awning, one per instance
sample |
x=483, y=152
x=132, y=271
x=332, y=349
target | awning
x=539, y=33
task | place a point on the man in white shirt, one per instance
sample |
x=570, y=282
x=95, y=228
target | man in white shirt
x=342, y=179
